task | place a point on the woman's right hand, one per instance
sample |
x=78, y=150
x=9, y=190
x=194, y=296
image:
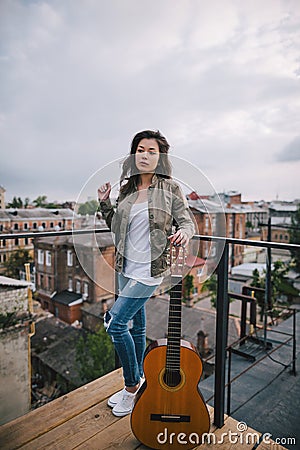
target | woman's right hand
x=104, y=191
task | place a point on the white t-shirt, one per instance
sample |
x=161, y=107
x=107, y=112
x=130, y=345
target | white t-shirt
x=137, y=263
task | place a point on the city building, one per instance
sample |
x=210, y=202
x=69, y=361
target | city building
x=15, y=329
x=214, y=217
x=30, y=220
x=2, y=197
x=68, y=275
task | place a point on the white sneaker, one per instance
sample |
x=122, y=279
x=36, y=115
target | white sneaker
x=125, y=406
x=117, y=397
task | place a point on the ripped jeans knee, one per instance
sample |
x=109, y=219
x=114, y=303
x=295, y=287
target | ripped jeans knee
x=107, y=320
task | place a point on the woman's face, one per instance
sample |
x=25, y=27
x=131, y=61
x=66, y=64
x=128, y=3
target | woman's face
x=147, y=156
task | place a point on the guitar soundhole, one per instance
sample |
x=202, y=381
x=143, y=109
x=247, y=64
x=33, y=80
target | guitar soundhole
x=172, y=378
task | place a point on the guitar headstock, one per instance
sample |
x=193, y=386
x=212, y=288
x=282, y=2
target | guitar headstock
x=177, y=260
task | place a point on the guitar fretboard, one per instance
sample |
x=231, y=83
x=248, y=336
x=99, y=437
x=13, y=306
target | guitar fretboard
x=174, y=326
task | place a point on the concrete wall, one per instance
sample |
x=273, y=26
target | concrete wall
x=13, y=299
x=14, y=374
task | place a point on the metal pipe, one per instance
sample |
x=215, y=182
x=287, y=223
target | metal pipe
x=221, y=338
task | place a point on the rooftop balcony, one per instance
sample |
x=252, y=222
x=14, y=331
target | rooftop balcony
x=81, y=418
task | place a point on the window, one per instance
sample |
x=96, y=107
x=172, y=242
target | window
x=48, y=258
x=241, y=227
x=49, y=283
x=17, y=241
x=78, y=287
x=207, y=223
x=1, y=227
x=26, y=241
x=40, y=256
x=4, y=243
x=70, y=285
x=44, y=225
x=16, y=226
x=70, y=258
x=51, y=224
x=4, y=257
x=214, y=221
x=25, y=226
x=34, y=225
x=206, y=249
x=85, y=290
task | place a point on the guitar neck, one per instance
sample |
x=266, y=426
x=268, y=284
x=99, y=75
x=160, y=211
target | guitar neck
x=174, y=325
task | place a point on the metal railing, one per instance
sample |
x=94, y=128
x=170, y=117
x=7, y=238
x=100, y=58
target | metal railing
x=222, y=304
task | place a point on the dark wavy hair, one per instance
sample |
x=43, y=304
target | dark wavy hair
x=130, y=173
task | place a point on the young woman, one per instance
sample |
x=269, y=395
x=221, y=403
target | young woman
x=148, y=206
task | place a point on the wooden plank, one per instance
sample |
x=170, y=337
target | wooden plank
x=39, y=421
x=232, y=436
x=75, y=431
x=117, y=436
x=272, y=445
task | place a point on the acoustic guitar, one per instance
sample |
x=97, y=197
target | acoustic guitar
x=169, y=410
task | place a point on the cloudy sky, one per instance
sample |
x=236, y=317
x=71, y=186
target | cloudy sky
x=219, y=78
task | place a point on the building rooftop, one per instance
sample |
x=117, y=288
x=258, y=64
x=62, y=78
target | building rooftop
x=92, y=240
x=6, y=281
x=281, y=221
x=193, y=320
x=96, y=309
x=55, y=343
x=35, y=213
x=246, y=269
x=282, y=207
x=267, y=396
x=68, y=298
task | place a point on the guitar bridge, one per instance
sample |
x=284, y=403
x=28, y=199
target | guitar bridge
x=169, y=418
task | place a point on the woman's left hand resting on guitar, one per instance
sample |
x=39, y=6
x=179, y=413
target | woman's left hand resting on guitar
x=179, y=239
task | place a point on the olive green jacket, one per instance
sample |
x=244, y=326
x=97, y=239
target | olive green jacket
x=166, y=205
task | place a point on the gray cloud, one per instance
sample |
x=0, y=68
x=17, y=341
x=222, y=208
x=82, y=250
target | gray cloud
x=291, y=152
x=76, y=84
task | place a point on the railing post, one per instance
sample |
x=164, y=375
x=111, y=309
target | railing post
x=268, y=292
x=116, y=286
x=221, y=338
x=294, y=344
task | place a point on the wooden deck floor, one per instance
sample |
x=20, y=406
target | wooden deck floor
x=82, y=420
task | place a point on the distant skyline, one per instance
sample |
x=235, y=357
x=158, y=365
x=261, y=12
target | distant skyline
x=221, y=80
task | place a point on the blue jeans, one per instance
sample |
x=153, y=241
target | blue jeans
x=125, y=322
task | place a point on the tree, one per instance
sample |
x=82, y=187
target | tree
x=295, y=239
x=95, y=355
x=187, y=287
x=278, y=282
x=26, y=202
x=15, y=203
x=89, y=207
x=40, y=201
x=16, y=262
x=258, y=281
x=211, y=285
